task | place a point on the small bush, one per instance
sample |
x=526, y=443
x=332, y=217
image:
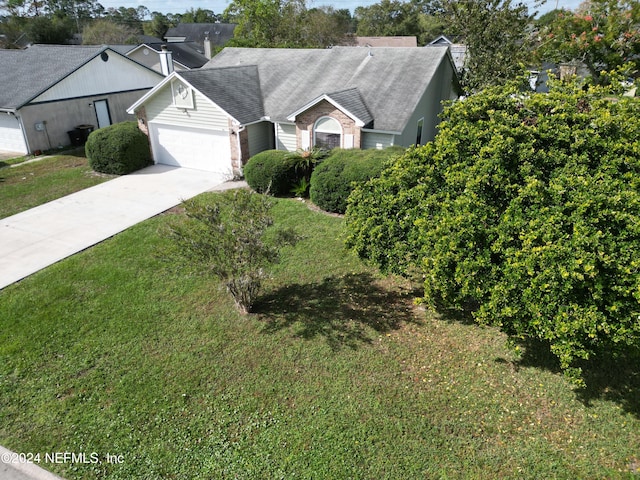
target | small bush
x=118, y=149
x=231, y=235
x=334, y=179
x=272, y=171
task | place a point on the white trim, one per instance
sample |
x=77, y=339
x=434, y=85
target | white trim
x=292, y=117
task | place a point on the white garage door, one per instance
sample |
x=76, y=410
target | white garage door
x=11, y=138
x=191, y=148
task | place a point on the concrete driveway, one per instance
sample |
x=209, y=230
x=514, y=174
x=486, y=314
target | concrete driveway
x=37, y=238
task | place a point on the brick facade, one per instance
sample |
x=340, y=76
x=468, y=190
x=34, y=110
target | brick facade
x=306, y=120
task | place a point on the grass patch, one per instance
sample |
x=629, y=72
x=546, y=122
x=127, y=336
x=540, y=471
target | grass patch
x=339, y=375
x=32, y=184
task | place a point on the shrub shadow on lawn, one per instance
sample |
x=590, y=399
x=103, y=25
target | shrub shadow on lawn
x=341, y=309
x=612, y=376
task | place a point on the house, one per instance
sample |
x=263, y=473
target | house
x=246, y=100
x=185, y=55
x=206, y=36
x=50, y=90
x=458, y=50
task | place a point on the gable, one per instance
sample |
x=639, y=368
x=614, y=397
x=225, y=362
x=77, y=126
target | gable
x=108, y=72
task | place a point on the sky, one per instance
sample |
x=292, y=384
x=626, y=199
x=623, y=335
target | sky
x=218, y=6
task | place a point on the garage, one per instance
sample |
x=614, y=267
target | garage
x=11, y=137
x=189, y=147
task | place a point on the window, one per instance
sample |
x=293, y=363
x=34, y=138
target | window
x=327, y=133
x=419, y=135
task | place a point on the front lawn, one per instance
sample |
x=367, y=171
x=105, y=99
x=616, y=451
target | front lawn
x=32, y=184
x=338, y=375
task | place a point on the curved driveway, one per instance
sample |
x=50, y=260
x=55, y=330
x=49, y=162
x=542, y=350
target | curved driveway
x=41, y=236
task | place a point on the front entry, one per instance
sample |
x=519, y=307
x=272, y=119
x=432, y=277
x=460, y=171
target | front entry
x=102, y=113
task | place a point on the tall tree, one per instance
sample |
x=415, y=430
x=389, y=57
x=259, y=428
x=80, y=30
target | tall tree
x=497, y=36
x=603, y=34
x=50, y=29
x=388, y=18
x=158, y=25
x=257, y=21
x=200, y=16
x=105, y=31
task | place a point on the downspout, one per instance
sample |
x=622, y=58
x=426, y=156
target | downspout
x=242, y=128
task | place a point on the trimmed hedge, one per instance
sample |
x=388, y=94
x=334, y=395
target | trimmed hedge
x=272, y=171
x=118, y=149
x=333, y=180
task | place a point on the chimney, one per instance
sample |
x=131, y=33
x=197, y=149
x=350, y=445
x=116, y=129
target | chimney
x=166, y=61
x=207, y=46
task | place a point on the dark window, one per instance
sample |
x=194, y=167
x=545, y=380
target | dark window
x=327, y=140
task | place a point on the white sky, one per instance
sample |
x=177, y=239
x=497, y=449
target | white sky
x=218, y=6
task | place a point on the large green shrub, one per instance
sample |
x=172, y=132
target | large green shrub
x=273, y=171
x=118, y=149
x=526, y=204
x=333, y=180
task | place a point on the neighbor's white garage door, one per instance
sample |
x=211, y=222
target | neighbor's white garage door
x=11, y=138
x=191, y=148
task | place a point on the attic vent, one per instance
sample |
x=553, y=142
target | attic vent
x=104, y=56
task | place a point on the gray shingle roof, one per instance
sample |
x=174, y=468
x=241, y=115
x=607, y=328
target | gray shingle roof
x=389, y=81
x=25, y=74
x=184, y=52
x=219, y=33
x=234, y=89
x=352, y=101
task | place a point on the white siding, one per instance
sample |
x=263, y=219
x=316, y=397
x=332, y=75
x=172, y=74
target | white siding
x=160, y=109
x=97, y=77
x=429, y=106
x=259, y=137
x=376, y=140
x=286, y=137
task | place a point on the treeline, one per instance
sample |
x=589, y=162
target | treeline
x=500, y=35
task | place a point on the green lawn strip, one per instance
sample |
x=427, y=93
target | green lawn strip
x=26, y=186
x=338, y=375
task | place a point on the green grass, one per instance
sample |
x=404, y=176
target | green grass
x=32, y=184
x=338, y=375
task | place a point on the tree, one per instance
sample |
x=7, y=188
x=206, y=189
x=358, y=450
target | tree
x=285, y=23
x=526, y=206
x=388, y=18
x=200, y=16
x=324, y=27
x=107, y=32
x=230, y=236
x=129, y=18
x=158, y=25
x=497, y=37
x=603, y=34
x=50, y=30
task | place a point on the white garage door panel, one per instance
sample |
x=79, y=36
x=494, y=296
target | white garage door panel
x=191, y=148
x=11, y=137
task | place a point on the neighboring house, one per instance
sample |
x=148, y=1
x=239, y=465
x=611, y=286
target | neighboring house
x=406, y=41
x=458, y=50
x=206, y=36
x=49, y=90
x=185, y=55
x=246, y=100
